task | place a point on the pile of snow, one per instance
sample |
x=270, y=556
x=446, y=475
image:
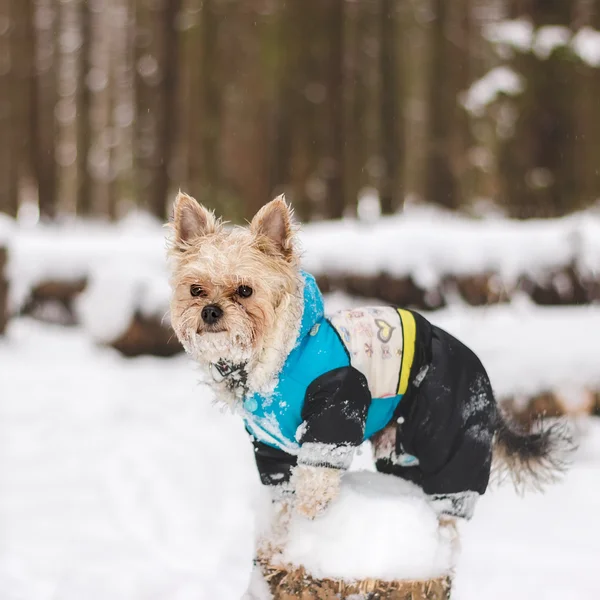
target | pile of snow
x=378, y=527
x=115, y=293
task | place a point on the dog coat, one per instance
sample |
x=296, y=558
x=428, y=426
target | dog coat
x=363, y=357
x=351, y=375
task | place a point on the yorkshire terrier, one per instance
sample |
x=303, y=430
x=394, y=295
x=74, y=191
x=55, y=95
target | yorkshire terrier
x=311, y=389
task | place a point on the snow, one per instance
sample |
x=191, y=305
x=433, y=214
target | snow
x=484, y=91
x=586, y=44
x=379, y=527
x=549, y=38
x=121, y=481
x=117, y=479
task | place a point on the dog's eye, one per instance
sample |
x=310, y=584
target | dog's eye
x=244, y=291
x=196, y=290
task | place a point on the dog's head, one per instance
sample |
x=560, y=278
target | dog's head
x=227, y=283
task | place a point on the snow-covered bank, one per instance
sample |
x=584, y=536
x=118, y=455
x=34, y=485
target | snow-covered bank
x=120, y=481
x=423, y=244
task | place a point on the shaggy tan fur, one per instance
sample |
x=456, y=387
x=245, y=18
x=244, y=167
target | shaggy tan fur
x=315, y=488
x=259, y=330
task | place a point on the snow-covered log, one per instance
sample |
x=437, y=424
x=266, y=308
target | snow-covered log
x=6, y=236
x=126, y=306
x=555, y=403
x=378, y=539
x=54, y=300
x=423, y=258
x=3, y=289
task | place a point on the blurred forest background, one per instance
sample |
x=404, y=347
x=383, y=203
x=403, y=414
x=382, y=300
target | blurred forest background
x=469, y=104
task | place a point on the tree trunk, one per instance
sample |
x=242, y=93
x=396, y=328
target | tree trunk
x=16, y=98
x=280, y=135
x=391, y=114
x=204, y=131
x=334, y=159
x=156, y=56
x=587, y=91
x=84, y=104
x=43, y=104
x=355, y=106
x=167, y=119
x=7, y=201
x=440, y=184
x=307, y=93
x=537, y=163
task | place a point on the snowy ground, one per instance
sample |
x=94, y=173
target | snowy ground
x=120, y=480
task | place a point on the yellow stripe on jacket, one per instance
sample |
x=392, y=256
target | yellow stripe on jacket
x=409, y=333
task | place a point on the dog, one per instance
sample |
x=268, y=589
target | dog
x=312, y=389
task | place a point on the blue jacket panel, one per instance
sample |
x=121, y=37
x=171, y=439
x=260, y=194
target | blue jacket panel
x=275, y=419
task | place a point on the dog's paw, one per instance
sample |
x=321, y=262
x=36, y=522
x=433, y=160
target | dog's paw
x=315, y=488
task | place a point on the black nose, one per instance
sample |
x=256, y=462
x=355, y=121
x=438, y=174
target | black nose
x=211, y=313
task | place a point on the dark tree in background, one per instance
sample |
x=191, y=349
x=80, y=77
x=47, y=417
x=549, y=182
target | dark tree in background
x=449, y=75
x=7, y=189
x=84, y=105
x=587, y=116
x=156, y=68
x=43, y=104
x=392, y=139
x=537, y=162
x=204, y=117
x=333, y=169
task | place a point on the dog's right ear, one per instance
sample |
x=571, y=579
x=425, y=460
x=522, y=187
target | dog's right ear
x=191, y=220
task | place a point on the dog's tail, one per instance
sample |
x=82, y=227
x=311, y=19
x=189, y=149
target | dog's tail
x=531, y=459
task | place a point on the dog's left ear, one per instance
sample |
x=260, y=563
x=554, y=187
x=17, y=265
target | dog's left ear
x=275, y=221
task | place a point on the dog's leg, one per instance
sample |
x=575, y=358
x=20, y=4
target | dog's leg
x=315, y=488
x=384, y=444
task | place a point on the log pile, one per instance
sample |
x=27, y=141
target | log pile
x=561, y=287
x=54, y=300
x=296, y=584
x=551, y=404
x=147, y=336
